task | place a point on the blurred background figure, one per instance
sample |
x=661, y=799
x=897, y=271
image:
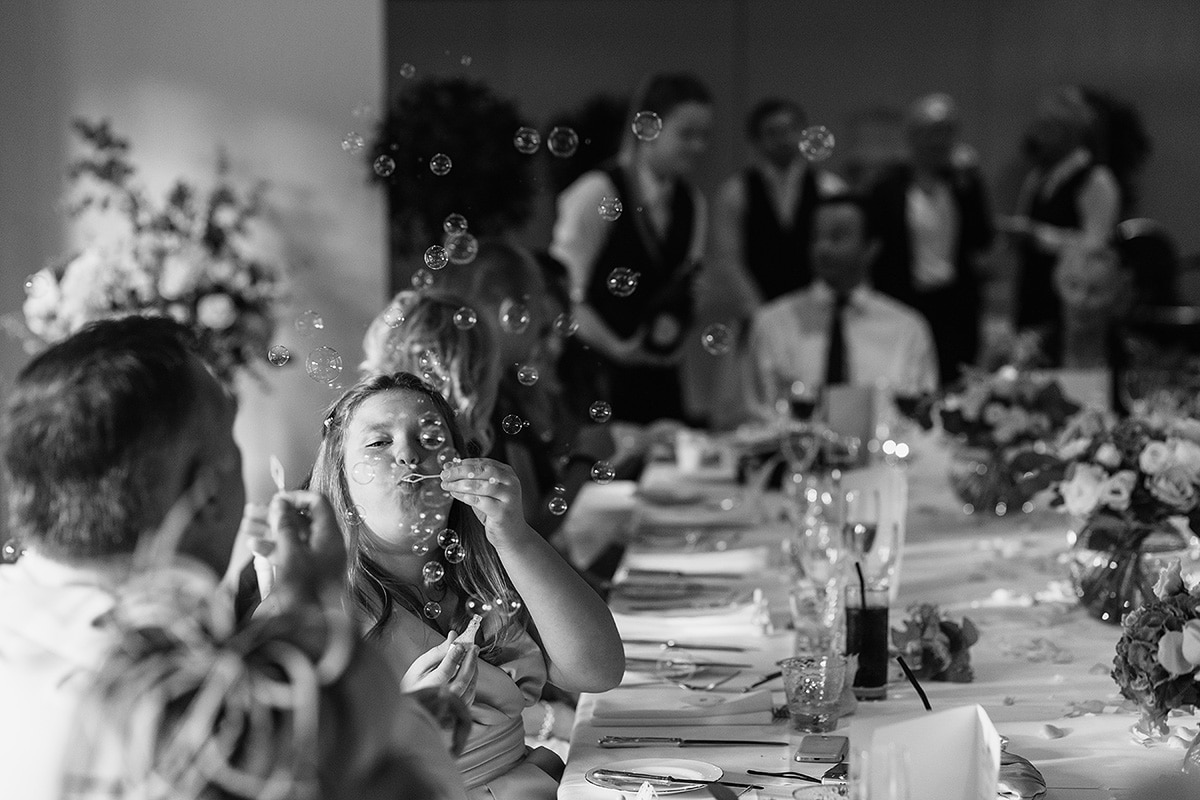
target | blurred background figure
x=631, y=328
x=934, y=223
x=1096, y=293
x=1067, y=198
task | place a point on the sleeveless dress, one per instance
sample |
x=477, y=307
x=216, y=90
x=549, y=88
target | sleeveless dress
x=493, y=762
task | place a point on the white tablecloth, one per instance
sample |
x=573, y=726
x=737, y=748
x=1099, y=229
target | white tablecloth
x=1040, y=662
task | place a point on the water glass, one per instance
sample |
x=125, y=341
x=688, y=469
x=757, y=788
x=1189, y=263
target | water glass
x=813, y=684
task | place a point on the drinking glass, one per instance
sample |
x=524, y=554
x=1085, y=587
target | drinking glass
x=813, y=684
x=862, y=521
x=867, y=636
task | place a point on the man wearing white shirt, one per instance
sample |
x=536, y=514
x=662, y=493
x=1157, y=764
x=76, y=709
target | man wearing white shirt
x=839, y=330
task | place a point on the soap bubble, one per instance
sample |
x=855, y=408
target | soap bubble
x=362, y=473
x=675, y=664
x=354, y=515
x=610, y=208
x=446, y=455
x=600, y=411
x=407, y=71
x=440, y=164
x=353, y=142
x=557, y=505
x=385, y=166
x=447, y=538
x=436, y=257
x=465, y=318
x=455, y=223
x=527, y=141
x=432, y=494
x=422, y=279
x=622, y=282
x=465, y=61
x=565, y=324
x=512, y=424
x=11, y=551
x=279, y=355
x=308, y=323
x=432, y=572
x=816, y=143
x=603, y=472
x=38, y=283
x=393, y=315
x=455, y=553
x=562, y=142
x=717, y=339
x=463, y=248
x=363, y=110
x=527, y=375
x=433, y=609
x=421, y=548
x=323, y=365
x=647, y=126
x=432, y=436
x=476, y=606
x=514, y=316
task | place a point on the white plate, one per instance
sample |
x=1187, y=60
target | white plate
x=675, y=767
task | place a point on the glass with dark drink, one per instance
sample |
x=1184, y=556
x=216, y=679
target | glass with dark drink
x=867, y=636
x=802, y=401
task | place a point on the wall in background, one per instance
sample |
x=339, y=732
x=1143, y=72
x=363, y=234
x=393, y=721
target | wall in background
x=274, y=82
x=844, y=61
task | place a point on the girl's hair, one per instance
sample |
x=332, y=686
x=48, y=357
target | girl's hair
x=416, y=333
x=662, y=93
x=480, y=575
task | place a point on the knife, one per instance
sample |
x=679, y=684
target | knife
x=676, y=741
x=666, y=573
x=668, y=780
x=686, y=646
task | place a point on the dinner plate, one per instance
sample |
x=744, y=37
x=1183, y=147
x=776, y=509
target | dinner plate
x=830, y=792
x=674, y=767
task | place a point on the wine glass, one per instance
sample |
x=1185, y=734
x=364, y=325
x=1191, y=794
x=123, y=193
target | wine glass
x=861, y=521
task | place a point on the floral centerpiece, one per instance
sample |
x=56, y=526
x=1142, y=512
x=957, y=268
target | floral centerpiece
x=940, y=646
x=1157, y=664
x=1135, y=487
x=1002, y=422
x=187, y=257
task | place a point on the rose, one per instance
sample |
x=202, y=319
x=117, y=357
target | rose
x=1154, y=458
x=1187, y=429
x=1118, y=490
x=1108, y=455
x=1174, y=487
x=1186, y=454
x=216, y=311
x=1179, y=651
x=1170, y=580
x=1081, y=493
x=1073, y=449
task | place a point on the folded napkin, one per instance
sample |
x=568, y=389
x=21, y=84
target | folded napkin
x=1019, y=779
x=736, y=620
x=742, y=513
x=735, y=561
x=673, y=706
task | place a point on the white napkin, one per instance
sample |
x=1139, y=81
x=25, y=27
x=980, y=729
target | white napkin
x=739, y=620
x=671, y=705
x=737, y=561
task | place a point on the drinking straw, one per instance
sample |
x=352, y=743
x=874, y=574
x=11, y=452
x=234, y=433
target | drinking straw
x=908, y=673
x=862, y=584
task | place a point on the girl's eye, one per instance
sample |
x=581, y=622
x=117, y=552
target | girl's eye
x=378, y=443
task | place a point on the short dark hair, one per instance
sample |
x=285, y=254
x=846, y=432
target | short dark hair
x=856, y=200
x=663, y=92
x=768, y=107
x=79, y=429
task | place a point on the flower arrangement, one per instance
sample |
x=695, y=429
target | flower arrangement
x=188, y=258
x=942, y=644
x=1157, y=664
x=1135, y=485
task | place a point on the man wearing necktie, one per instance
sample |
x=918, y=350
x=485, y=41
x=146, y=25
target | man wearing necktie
x=839, y=330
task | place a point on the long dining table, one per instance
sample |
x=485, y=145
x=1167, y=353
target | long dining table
x=1041, y=665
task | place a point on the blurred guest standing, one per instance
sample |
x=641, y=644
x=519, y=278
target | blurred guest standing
x=1066, y=199
x=933, y=221
x=763, y=221
x=635, y=335
x=838, y=330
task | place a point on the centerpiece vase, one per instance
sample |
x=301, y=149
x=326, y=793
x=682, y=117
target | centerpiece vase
x=1114, y=563
x=1191, y=759
x=983, y=479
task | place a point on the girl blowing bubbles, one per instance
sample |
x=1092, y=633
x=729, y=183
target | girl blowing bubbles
x=435, y=539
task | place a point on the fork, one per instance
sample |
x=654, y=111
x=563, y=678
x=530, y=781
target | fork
x=709, y=687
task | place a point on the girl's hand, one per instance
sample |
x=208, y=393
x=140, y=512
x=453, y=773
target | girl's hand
x=492, y=491
x=450, y=664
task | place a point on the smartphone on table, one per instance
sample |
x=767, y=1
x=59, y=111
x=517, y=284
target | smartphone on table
x=822, y=749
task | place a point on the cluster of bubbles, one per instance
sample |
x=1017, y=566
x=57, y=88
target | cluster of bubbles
x=514, y=316
x=610, y=208
x=600, y=411
x=433, y=372
x=623, y=281
x=440, y=164
x=717, y=339
x=816, y=143
x=508, y=605
x=527, y=375
x=646, y=125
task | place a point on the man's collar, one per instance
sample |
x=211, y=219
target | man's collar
x=824, y=293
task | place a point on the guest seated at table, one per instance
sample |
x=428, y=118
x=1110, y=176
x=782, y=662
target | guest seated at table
x=839, y=331
x=117, y=452
x=427, y=555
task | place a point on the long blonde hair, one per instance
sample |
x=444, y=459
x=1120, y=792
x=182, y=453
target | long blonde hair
x=376, y=591
x=465, y=362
